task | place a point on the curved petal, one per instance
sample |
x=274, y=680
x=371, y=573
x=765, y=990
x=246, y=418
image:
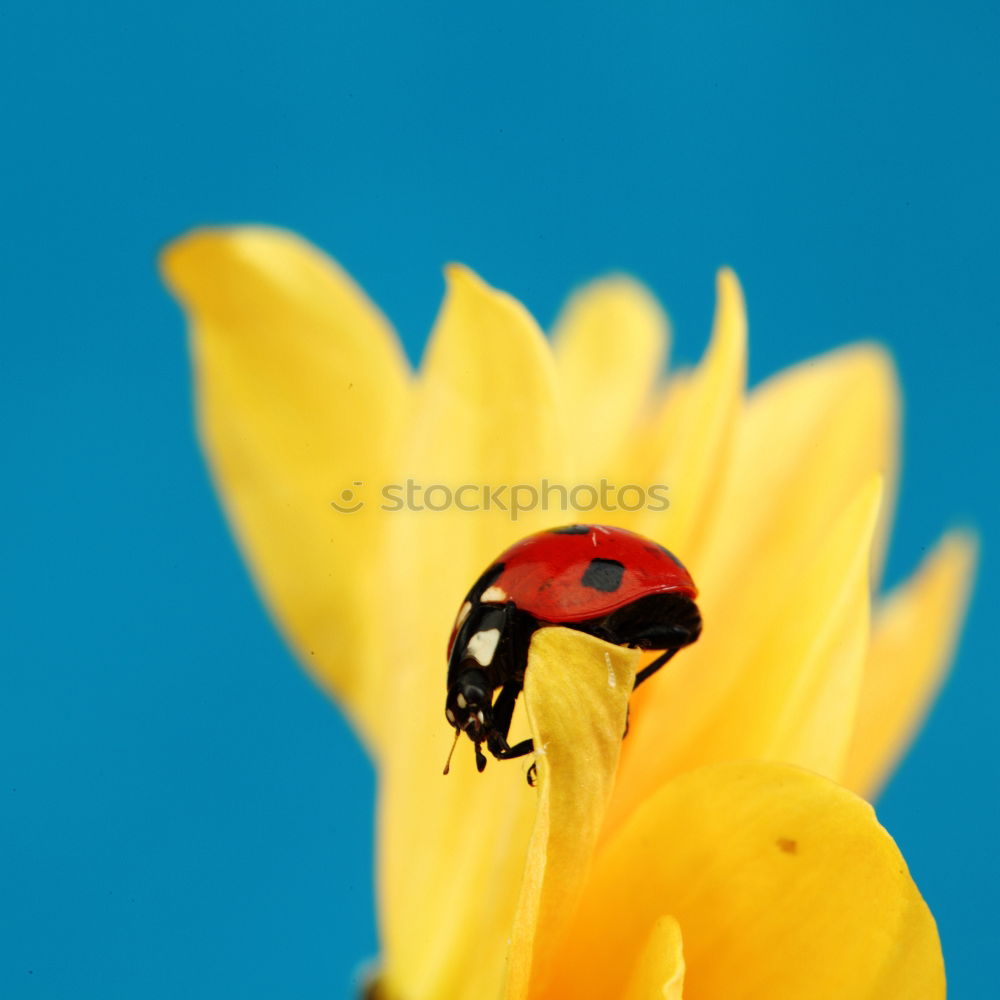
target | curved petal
x=301, y=392
x=787, y=692
x=783, y=884
x=810, y=440
x=811, y=437
x=690, y=440
x=452, y=848
x=659, y=970
x=609, y=344
x=577, y=729
x=913, y=639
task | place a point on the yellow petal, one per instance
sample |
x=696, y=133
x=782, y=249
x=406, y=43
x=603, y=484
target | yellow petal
x=452, y=848
x=811, y=437
x=576, y=693
x=609, y=345
x=693, y=434
x=913, y=638
x=786, y=690
x=659, y=971
x=783, y=884
x=301, y=391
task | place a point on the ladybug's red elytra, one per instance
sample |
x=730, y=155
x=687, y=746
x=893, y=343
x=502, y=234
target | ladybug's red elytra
x=607, y=582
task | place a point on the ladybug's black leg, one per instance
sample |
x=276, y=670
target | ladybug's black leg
x=651, y=668
x=517, y=750
x=503, y=712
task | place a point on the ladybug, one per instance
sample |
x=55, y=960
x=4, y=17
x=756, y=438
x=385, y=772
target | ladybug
x=607, y=582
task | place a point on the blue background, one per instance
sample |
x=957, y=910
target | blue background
x=172, y=789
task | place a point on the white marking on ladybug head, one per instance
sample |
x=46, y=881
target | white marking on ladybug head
x=494, y=595
x=483, y=645
x=481, y=718
x=451, y=715
x=463, y=613
x=462, y=703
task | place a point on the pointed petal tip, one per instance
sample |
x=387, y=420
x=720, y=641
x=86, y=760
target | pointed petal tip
x=868, y=362
x=870, y=352
x=194, y=265
x=479, y=304
x=727, y=283
x=729, y=293
x=957, y=557
x=467, y=286
x=613, y=301
x=729, y=328
x=621, y=283
x=456, y=273
x=962, y=543
x=174, y=260
x=865, y=367
x=915, y=634
x=205, y=242
x=954, y=558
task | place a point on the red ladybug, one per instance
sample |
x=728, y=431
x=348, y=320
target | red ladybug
x=608, y=582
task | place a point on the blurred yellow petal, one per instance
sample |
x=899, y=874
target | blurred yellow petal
x=452, y=848
x=811, y=437
x=787, y=691
x=810, y=440
x=576, y=694
x=691, y=438
x=783, y=883
x=291, y=360
x=913, y=639
x=659, y=970
x=609, y=343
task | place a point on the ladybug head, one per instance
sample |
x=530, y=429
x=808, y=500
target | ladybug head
x=468, y=707
x=476, y=655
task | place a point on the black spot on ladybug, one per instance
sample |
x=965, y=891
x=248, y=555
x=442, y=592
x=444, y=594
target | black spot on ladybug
x=486, y=580
x=603, y=574
x=675, y=559
x=572, y=529
x=668, y=553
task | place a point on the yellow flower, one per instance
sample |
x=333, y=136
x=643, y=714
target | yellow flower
x=636, y=869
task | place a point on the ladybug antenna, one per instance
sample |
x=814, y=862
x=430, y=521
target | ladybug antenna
x=447, y=763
